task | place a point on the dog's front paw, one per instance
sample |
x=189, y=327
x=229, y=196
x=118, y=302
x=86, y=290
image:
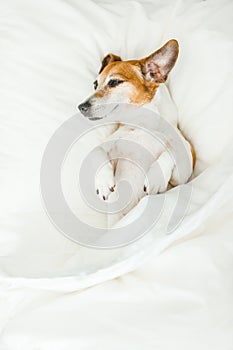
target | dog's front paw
x=153, y=181
x=159, y=174
x=105, y=182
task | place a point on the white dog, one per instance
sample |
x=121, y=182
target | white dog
x=138, y=82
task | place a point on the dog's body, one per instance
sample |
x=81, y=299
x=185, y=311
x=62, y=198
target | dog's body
x=139, y=83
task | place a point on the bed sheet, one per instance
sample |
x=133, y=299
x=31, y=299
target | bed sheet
x=182, y=298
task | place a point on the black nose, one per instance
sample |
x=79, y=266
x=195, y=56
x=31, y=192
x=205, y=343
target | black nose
x=84, y=107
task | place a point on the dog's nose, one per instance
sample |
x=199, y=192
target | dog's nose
x=84, y=107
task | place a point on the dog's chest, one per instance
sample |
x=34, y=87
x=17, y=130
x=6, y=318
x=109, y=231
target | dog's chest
x=135, y=144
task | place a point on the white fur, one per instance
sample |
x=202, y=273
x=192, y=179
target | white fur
x=159, y=172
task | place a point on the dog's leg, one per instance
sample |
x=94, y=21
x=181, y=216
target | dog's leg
x=104, y=180
x=159, y=174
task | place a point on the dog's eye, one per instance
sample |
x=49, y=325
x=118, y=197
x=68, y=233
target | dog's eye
x=115, y=82
x=95, y=84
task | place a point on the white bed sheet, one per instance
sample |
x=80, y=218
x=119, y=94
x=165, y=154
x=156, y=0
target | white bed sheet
x=50, y=53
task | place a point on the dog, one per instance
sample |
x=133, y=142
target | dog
x=141, y=83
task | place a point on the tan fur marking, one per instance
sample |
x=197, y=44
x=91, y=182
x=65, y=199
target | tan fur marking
x=142, y=91
x=100, y=93
x=193, y=154
x=144, y=75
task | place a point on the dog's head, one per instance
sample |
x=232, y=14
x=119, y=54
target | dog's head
x=133, y=81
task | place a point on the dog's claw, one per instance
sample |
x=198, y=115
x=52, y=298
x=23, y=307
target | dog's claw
x=144, y=188
x=104, y=181
x=112, y=189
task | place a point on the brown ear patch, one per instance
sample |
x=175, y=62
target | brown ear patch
x=107, y=59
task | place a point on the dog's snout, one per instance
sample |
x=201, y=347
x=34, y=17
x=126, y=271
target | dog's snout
x=84, y=107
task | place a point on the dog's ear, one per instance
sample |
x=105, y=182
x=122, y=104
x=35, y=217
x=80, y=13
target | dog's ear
x=107, y=59
x=157, y=66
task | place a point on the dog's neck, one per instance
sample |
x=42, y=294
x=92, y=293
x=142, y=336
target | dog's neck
x=163, y=104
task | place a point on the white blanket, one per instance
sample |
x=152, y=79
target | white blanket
x=50, y=54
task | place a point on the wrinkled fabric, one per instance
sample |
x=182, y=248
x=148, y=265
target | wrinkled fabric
x=50, y=56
